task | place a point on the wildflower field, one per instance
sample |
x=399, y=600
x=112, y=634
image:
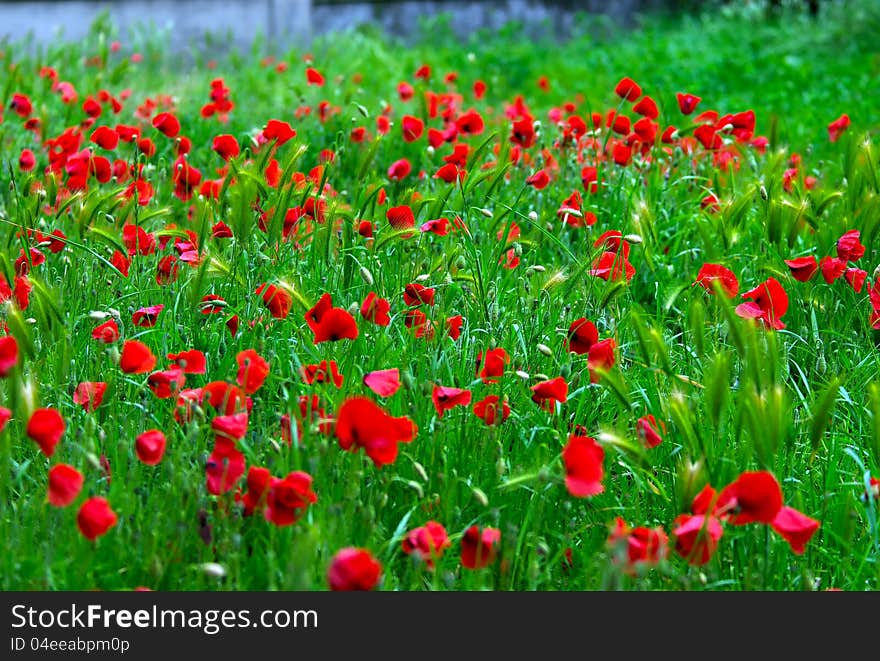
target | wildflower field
x=453, y=315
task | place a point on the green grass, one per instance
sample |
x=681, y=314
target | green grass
x=733, y=396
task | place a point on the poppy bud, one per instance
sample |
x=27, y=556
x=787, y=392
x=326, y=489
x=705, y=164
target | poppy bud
x=542, y=377
x=415, y=486
x=430, y=150
x=533, y=216
x=423, y=277
x=487, y=213
x=634, y=239
x=692, y=478
x=481, y=497
x=517, y=249
x=764, y=195
x=407, y=379
x=523, y=375
x=97, y=315
x=354, y=308
x=544, y=349
x=565, y=371
x=366, y=275
x=213, y=569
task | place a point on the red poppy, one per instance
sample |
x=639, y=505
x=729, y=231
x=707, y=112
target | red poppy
x=628, y=89
x=547, y=393
x=584, y=471
x=601, y=357
x=412, y=128
x=832, y=268
x=288, y=499
x=136, y=358
x=105, y=137
x=855, y=278
x=837, y=127
x=479, y=548
x=493, y=364
x=258, y=483
x=330, y=324
x=26, y=160
x=314, y=77
x=277, y=299
x=65, y=483
x=361, y=423
x=226, y=146
x=21, y=105
x=539, y=180
x=416, y=294
x=849, y=247
x=753, y=497
x=191, y=361
x=770, y=302
x=150, y=447
x=687, y=103
x=147, y=317
x=796, y=528
x=492, y=410
x=648, y=430
x=5, y=415
x=640, y=547
x=89, y=394
x=252, y=370
x=137, y=240
x=167, y=123
x=8, y=354
x=376, y=309
x=46, y=426
x=95, y=517
x=711, y=273
x=166, y=383
x=696, y=537
x=353, y=569
x=427, y=542
x=582, y=334
x=279, y=131
x=611, y=266
x=439, y=226
x=323, y=372
x=400, y=169
x=223, y=470
x=445, y=398
x=383, y=382
x=400, y=217
x=647, y=107
x=453, y=326
x=803, y=268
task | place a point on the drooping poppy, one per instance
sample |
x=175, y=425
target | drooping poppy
x=711, y=273
x=582, y=334
x=648, y=430
x=492, y=362
x=583, y=458
x=147, y=317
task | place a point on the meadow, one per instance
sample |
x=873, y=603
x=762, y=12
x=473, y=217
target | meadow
x=497, y=314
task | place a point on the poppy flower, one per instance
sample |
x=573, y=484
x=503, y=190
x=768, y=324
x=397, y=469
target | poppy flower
x=687, y=103
x=166, y=383
x=361, y=423
x=137, y=240
x=105, y=137
x=753, y=497
x=412, y=128
x=46, y=426
x=383, y=382
x=547, y=393
x=644, y=547
x=493, y=363
x=353, y=569
x=628, y=89
x=611, y=266
x=330, y=324
x=277, y=299
x=648, y=430
x=150, y=446
x=479, y=548
x=89, y=394
x=323, y=372
x=770, y=302
x=136, y=358
x=849, y=247
x=445, y=398
x=696, y=537
x=601, y=357
x=314, y=77
x=426, y=542
x=8, y=354
x=399, y=170
x=855, y=278
x=167, y=124
x=376, y=309
x=279, y=131
x=711, y=273
x=288, y=499
x=837, y=127
x=147, y=317
x=21, y=105
x=647, y=107
x=803, y=268
x=400, y=217
x=416, y=294
x=95, y=517
x=470, y=123
x=453, y=326
x=492, y=410
x=191, y=361
x=223, y=469
x=439, y=226
x=108, y=332
x=27, y=160
x=796, y=528
x=5, y=416
x=539, y=180
x=582, y=334
x=258, y=482
x=65, y=483
x=226, y=146
x=832, y=268
x=252, y=370
x=583, y=457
